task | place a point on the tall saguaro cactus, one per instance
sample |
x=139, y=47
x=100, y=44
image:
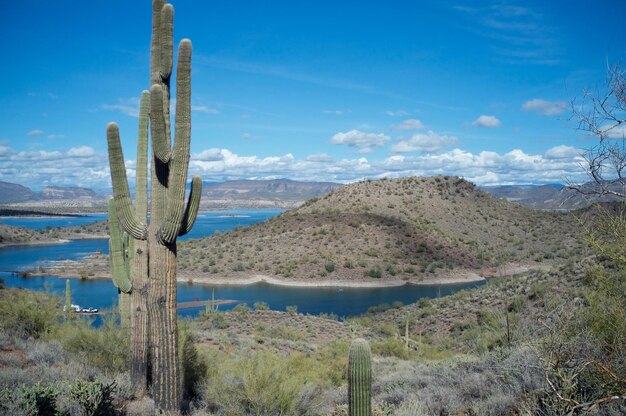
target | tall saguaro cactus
x=359, y=379
x=170, y=217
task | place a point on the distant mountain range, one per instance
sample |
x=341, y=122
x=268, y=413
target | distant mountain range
x=552, y=196
x=276, y=193
x=11, y=193
x=287, y=194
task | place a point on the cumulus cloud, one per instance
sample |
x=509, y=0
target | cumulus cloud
x=360, y=140
x=78, y=166
x=410, y=124
x=35, y=133
x=428, y=142
x=563, y=152
x=543, y=107
x=82, y=151
x=320, y=157
x=84, y=166
x=489, y=122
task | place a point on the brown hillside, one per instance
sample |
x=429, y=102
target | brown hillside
x=412, y=229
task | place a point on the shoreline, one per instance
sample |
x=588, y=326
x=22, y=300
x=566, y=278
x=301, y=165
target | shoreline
x=260, y=278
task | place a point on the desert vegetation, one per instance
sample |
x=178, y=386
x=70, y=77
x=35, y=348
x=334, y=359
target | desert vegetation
x=547, y=342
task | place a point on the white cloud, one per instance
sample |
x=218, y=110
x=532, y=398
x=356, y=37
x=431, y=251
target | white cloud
x=82, y=151
x=397, y=113
x=410, y=124
x=320, y=157
x=363, y=141
x=487, y=122
x=204, y=109
x=428, y=142
x=614, y=132
x=127, y=106
x=85, y=166
x=543, y=107
x=209, y=155
x=563, y=152
x=35, y=133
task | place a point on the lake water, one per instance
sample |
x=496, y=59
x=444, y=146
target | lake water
x=103, y=295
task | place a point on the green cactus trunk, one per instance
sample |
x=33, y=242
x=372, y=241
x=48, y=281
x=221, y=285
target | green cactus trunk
x=170, y=217
x=359, y=379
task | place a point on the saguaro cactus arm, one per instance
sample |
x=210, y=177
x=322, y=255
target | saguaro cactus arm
x=167, y=41
x=359, y=379
x=160, y=142
x=171, y=225
x=129, y=221
x=141, y=184
x=120, y=272
x=193, y=205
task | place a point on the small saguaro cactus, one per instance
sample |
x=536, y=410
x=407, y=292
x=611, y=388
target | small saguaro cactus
x=120, y=260
x=68, y=297
x=359, y=378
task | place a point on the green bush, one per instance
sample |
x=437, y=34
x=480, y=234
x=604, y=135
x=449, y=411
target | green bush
x=375, y=272
x=390, y=347
x=263, y=384
x=29, y=314
x=94, y=397
x=106, y=347
x=261, y=306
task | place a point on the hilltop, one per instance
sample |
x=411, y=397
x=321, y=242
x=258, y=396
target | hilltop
x=412, y=229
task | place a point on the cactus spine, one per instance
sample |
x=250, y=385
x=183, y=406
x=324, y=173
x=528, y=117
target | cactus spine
x=169, y=216
x=359, y=379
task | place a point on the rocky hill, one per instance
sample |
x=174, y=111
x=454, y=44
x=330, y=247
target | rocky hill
x=12, y=192
x=412, y=229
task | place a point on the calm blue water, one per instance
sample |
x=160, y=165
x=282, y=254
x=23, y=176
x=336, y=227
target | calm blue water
x=41, y=223
x=206, y=224
x=103, y=295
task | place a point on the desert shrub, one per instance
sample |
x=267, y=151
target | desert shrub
x=375, y=272
x=390, y=347
x=30, y=400
x=292, y=309
x=29, y=314
x=280, y=332
x=263, y=384
x=329, y=266
x=194, y=367
x=261, y=306
x=94, y=397
x=583, y=351
x=105, y=348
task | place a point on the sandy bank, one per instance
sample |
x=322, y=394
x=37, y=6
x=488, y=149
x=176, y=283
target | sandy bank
x=257, y=278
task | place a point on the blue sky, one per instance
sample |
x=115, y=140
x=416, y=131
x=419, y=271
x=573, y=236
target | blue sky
x=320, y=90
